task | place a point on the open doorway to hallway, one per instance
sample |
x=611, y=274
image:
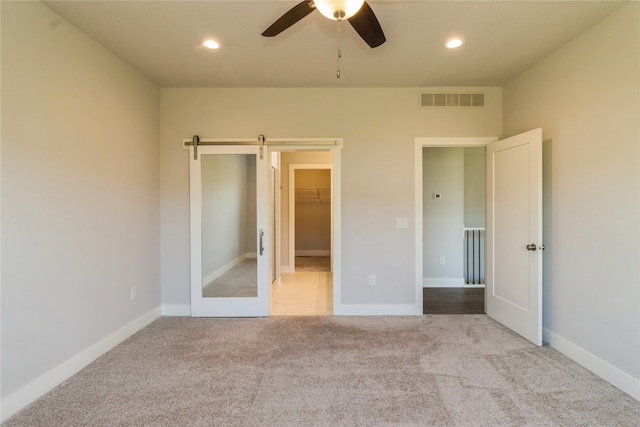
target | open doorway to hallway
x=453, y=228
x=304, y=285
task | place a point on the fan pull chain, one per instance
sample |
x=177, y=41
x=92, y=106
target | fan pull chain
x=339, y=49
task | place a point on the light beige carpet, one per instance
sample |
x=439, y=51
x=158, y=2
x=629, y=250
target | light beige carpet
x=241, y=281
x=433, y=370
x=313, y=263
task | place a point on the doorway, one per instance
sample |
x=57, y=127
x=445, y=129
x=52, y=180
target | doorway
x=453, y=227
x=513, y=294
x=441, y=269
x=305, y=285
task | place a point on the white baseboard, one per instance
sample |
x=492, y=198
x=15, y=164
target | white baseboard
x=276, y=283
x=314, y=252
x=287, y=269
x=378, y=309
x=176, y=310
x=601, y=368
x=443, y=282
x=25, y=395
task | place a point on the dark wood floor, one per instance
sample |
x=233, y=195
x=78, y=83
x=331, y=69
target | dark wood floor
x=453, y=300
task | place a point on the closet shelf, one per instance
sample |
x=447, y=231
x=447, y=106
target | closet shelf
x=313, y=194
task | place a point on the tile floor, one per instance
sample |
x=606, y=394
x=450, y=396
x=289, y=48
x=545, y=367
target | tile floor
x=305, y=293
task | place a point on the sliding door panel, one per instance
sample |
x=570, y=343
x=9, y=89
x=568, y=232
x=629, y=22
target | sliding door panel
x=229, y=274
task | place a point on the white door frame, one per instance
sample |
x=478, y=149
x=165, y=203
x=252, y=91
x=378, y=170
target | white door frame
x=292, y=206
x=420, y=143
x=274, y=217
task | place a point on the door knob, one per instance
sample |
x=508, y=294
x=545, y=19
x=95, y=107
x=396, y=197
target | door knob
x=531, y=247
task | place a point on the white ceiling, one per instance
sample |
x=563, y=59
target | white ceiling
x=162, y=40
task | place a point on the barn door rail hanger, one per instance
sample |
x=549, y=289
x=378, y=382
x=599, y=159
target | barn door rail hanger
x=533, y=247
x=196, y=142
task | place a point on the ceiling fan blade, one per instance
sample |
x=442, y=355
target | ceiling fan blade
x=366, y=24
x=295, y=14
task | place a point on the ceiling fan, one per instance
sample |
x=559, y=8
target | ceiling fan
x=357, y=12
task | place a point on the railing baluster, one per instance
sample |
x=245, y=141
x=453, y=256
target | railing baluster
x=466, y=272
x=474, y=268
x=473, y=258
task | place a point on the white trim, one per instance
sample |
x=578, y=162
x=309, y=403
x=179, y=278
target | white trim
x=276, y=283
x=176, y=310
x=275, y=217
x=420, y=143
x=287, y=269
x=304, y=144
x=601, y=368
x=455, y=141
x=443, y=282
x=314, y=252
x=474, y=286
x=378, y=309
x=28, y=393
x=220, y=271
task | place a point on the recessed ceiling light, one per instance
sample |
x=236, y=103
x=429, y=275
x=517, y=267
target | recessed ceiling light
x=454, y=43
x=211, y=44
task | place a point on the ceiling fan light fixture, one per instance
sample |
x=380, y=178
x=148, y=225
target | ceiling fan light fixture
x=338, y=9
x=454, y=43
x=211, y=44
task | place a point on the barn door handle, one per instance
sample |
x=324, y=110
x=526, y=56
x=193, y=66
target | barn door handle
x=261, y=245
x=531, y=247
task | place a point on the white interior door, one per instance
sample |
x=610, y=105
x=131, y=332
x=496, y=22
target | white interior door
x=229, y=232
x=514, y=234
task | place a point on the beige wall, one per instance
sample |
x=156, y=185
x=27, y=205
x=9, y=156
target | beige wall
x=474, y=187
x=379, y=127
x=585, y=97
x=80, y=197
x=443, y=173
x=313, y=211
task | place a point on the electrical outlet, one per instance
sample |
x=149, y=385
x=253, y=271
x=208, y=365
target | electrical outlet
x=401, y=222
x=134, y=293
x=372, y=280
x=442, y=260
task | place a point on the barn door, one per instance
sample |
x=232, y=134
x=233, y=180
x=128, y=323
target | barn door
x=229, y=231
